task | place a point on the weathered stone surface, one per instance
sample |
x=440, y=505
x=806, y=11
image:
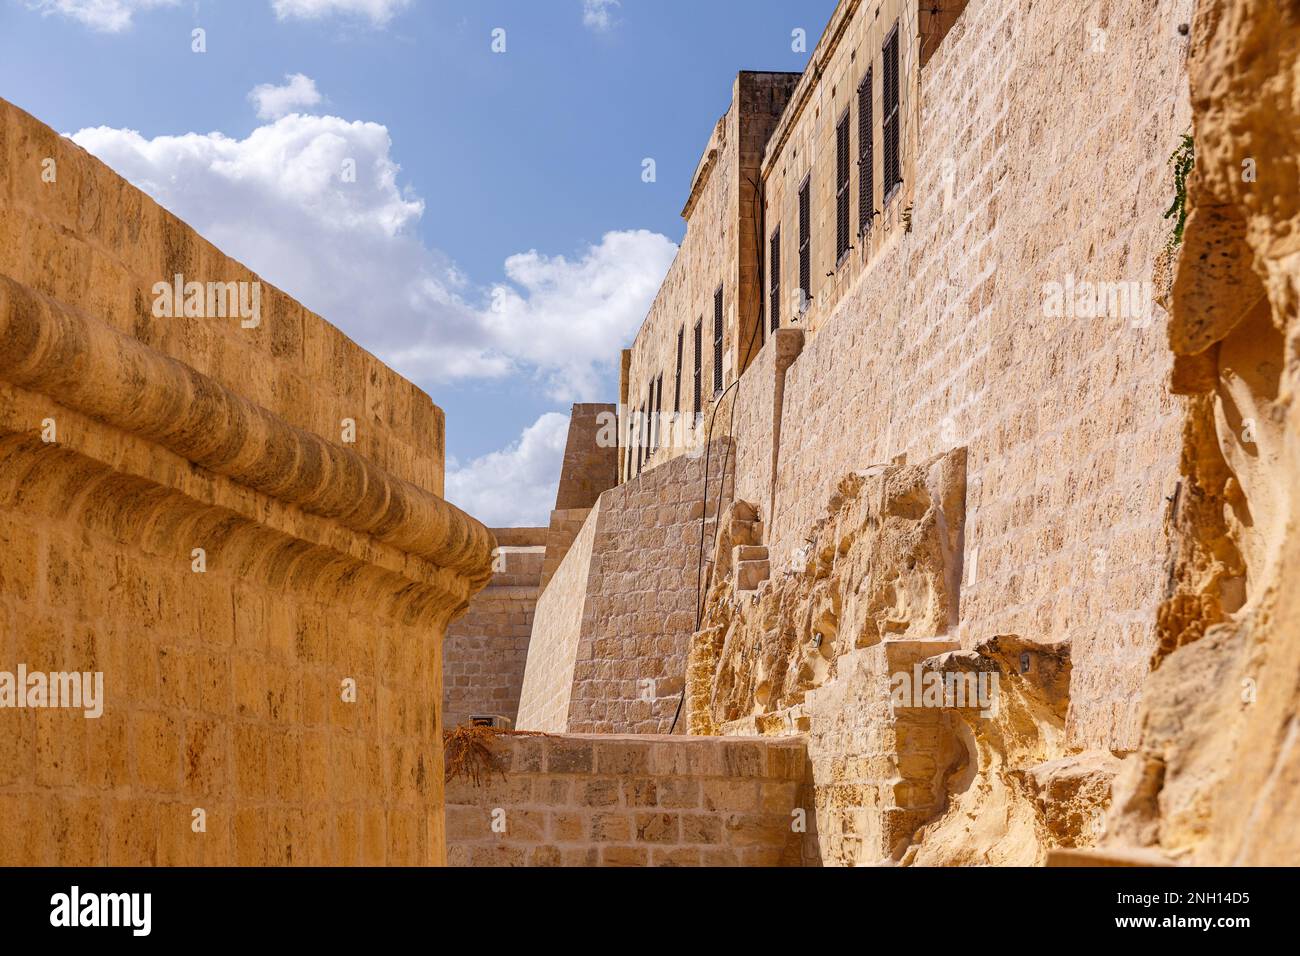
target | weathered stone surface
x=648, y=800
x=486, y=649
x=883, y=562
x=1216, y=779
x=612, y=629
x=283, y=679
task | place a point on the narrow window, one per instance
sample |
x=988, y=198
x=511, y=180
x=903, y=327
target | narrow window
x=650, y=422
x=659, y=410
x=866, y=156
x=775, y=281
x=889, y=123
x=699, y=358
x=842, y=188
x=717, y=341
x=805, y=251
x=677, y=388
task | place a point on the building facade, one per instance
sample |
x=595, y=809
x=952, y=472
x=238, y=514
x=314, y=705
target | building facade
x=921, y=305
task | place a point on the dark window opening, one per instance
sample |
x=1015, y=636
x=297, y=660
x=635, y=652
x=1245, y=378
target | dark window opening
x=866, y=156
x=699, y=359
x=656, y=436
x=842, y=188
x=893, y=168
x=805, y=247
x=775, y=281
x=717, y=341
x=677, y=387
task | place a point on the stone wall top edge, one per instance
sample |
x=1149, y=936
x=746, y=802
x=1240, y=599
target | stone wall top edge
x=520, y=537
x=104, y=175
x=90, y=367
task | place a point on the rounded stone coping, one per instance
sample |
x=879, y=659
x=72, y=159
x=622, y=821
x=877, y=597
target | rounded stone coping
x=88, y=366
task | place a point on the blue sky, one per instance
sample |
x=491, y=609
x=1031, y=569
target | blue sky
x=499, y=244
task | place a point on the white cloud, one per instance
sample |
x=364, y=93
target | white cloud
x=570, y=318
x=514, y=487
x=276, y=200
x=273, y=101
x=597, y=14
x=107, y=16
x=378, y=12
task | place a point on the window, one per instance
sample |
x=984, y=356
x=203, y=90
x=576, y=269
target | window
x=842, y=188
x=717, y=341
x=866, y=156
x=677, y=388
x=775, y=280
x=805, y=250
x=640, y=441
x=699, y=344
x=657, y=433
x=889, y=123
x=650, y=421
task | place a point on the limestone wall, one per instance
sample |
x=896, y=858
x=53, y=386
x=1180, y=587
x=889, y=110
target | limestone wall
x=802, y=149
x=1037, y=159
x=590, y=456
x=282, y=681
x=485, y=650
x=640, y=608
x=578, y=800
x=1215, y=779
x=553, y=643
x=609, y=642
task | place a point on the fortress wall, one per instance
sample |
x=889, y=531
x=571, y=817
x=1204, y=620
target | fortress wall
x=609, y=641
x=1039, y=157
x=640, y=607
x=647, y=800
x=553, y=644
x=283, y=680
x=486, y=649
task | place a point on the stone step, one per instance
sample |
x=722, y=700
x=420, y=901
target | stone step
x=750, y=574
x=750, y=552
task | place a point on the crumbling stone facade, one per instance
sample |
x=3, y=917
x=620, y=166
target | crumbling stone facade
x=1213, y=780
x=237, y=521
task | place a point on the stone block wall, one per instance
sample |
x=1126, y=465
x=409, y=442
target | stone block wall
x=553, y=644
x=760, y=398
x=640, y=610
x=485, y=650
x=561, y=534
x=590, y=456
x=803, y=149
x=609, y=643
x=577, y=800
x=1072, y=433
x=1031, y=164
x=181, y=514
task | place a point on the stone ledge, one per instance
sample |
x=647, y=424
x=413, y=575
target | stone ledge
x=86, y=365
